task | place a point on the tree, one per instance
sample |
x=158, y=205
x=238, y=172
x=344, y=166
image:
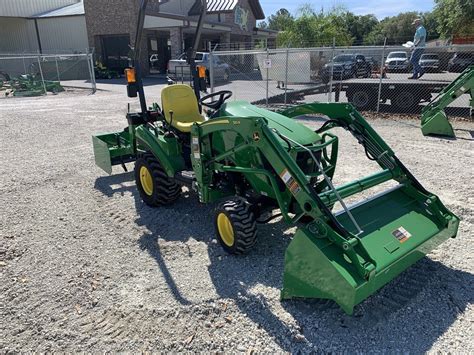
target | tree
x=359, y=26
x=314, y=29
x=454, y=17
x=280, y=21
x=397, y=29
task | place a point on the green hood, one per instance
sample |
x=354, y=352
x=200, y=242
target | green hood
x=286, y=126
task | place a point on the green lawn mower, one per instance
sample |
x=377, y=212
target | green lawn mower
x=249, y=161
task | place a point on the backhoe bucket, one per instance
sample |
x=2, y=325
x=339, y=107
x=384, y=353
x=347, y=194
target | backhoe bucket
x=399, y=228
x=436, y=123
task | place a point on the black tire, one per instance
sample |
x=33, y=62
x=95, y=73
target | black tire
x=236, y=215
x=363, y=99
x=405, y=101
x=163, y=189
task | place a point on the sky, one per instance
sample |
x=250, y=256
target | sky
x=379, y=8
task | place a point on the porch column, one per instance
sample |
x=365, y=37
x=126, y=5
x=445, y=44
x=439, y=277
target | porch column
x=176, y=37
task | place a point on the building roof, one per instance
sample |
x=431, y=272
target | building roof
x=216, y=6
x=221, y=5
x=71, y=10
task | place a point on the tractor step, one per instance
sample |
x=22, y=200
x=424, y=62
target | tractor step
x=185, y=177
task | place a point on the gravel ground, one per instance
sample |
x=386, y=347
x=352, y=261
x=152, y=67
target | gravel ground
x=86, y=266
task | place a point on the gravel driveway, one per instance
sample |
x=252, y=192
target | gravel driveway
x=86, y=266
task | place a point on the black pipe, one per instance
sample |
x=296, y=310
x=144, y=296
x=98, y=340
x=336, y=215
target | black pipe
x=191, y=55
x=136, y=56
x=38, y=38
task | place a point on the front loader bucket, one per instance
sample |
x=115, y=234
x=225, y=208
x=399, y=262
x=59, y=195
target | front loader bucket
x=399, y=228
x=436, y=123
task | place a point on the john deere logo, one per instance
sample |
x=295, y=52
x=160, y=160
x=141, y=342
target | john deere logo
x=241, y=17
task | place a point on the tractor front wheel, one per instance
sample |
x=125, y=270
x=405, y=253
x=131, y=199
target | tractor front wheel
x=156, y=188
x=236, y=227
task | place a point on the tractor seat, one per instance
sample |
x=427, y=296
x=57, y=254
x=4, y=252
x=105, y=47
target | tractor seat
x=180, y=99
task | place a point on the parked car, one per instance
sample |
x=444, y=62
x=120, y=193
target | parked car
x=179, y=68
x=346, y=66
x=398, y=61
x=430, y=62
x=460, y=61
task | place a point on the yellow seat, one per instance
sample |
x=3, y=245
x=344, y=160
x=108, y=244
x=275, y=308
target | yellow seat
x=181, y=100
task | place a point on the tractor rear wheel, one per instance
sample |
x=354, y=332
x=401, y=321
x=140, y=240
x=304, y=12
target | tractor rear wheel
x=236, y=227
x=156, y=188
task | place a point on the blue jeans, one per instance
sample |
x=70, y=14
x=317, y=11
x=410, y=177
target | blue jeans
x=415, y=59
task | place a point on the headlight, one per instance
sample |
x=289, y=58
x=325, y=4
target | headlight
x=405, y=61
x=347, y=66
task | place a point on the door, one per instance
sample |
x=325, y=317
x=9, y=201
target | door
x=115, y=52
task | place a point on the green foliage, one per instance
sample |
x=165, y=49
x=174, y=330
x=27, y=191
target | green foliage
x=311, y=28
x=397, y=29
x=359, y=26
x=454, y=17
x=280, y=21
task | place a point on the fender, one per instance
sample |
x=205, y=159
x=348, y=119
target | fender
x=166, y=150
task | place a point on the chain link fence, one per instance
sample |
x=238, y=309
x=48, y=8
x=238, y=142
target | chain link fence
x=375, y=78
x=40, y=74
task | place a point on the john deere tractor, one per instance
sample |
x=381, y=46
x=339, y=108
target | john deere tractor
x=248, y=160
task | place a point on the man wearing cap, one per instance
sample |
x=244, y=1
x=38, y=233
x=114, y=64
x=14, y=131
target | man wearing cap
x=419, y=45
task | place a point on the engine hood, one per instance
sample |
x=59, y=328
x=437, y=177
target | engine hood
x=286, y=126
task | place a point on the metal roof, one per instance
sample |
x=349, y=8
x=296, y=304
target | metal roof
x=71, y=10
x=216, y=6
x=221, y=5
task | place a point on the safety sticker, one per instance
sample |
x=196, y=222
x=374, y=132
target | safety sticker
x=401, y=234
x=290, y=182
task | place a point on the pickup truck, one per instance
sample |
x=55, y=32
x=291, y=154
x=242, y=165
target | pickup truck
x=179, y=70
x=346, y=66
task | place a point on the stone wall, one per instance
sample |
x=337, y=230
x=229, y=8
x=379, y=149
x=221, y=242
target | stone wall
x=114, y=17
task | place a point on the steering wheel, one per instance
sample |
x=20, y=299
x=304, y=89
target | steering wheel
x=224, y=95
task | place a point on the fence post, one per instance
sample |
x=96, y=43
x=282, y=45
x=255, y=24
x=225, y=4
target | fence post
x=211, y=70
x=90, y=64
x=42, y=77
x=332, y=69
x=286, y=73
x=266, y=90
x=381, y=74
x=57, y=69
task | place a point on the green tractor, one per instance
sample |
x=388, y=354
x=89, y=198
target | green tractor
x=249, y=161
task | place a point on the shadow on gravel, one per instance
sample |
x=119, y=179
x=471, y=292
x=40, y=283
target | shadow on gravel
x=407, y=315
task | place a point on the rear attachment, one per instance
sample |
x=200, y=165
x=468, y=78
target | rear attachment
x=113, y=149
x=433, y=119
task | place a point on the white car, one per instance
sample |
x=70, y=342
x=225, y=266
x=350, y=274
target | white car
x=398, y=61
x=179, y=68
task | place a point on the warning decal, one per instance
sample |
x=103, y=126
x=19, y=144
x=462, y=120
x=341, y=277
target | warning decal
x=401, y=234
x=290, y=182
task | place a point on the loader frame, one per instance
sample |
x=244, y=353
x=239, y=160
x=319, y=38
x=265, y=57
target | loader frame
x=433, y=117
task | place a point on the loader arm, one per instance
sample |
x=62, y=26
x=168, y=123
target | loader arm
x=345, y=256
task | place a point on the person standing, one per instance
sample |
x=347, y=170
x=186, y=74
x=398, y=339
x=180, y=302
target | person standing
x=419, y=46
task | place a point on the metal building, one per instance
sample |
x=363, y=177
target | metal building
x=45, y=26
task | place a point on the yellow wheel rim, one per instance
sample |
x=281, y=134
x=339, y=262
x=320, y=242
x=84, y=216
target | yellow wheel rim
x=226, y=231
x=146, y=180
